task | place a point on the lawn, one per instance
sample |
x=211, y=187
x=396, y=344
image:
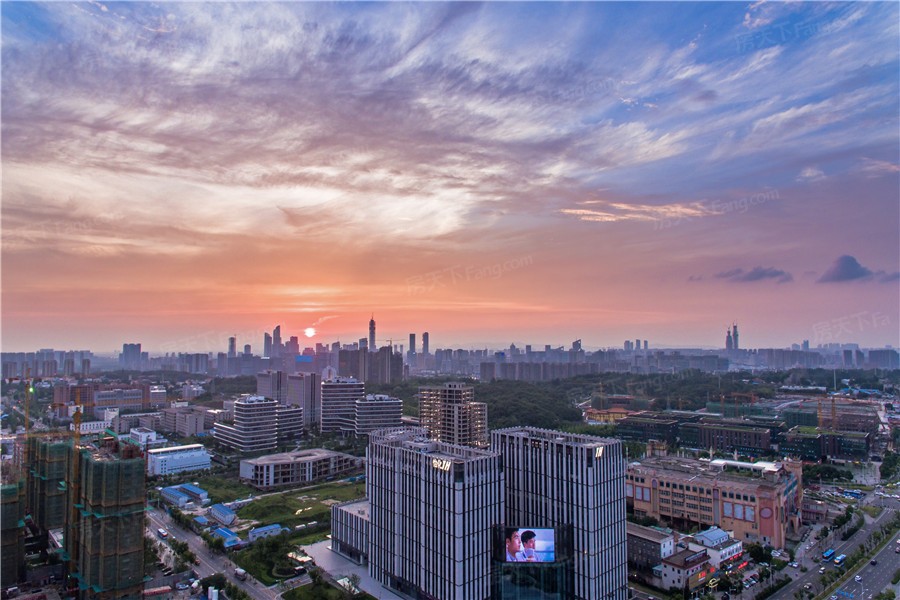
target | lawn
x=320, y=591
x=300, y=506
x=222, y=489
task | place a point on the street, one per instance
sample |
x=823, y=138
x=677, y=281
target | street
x=210, y=563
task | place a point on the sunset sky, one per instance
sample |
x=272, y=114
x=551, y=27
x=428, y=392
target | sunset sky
x=175, y=173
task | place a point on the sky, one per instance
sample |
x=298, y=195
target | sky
x=531, y=173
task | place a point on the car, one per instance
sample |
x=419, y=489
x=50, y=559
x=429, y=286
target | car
x=808, y=586
x=873, y=562
x=834, y=597
x=181, y=586
x=795, y=565
x=857, y=579
x=821, y=570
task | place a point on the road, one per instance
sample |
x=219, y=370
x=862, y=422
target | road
x=888, y=561
x=210, y=563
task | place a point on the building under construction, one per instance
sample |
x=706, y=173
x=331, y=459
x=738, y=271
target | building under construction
x=104, y=534
x=12, y=533
x=48, y=466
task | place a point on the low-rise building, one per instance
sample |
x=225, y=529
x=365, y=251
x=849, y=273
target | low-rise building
x=174, y=496
x=292, y=468
x=759, y=501
x=257, y=533
x=647, y=546
x=688, y=569
x=221, y=514
x=350, y=530
x=177, y=459
x=721, y=548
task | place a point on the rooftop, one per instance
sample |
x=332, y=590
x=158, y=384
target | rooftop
x=647, y=533
x=551, y=435
x=295, y=457
x=360, y=507
x=687, y=558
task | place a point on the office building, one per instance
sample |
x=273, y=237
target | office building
x=449, y=414
x=177, y=459
x=433, y=509
x=339, y=398
x=305, y=390
x=411, y=353
x=276, y=342
x=560, y=480
x=130, y=359
x=254, y=428
x=760, y=502
x=372, y=346
x=376, y=411
x=350, y=530
x=295, y=468
x=104, y=538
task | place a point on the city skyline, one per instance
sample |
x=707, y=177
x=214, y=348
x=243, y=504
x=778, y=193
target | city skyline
x=497, y=173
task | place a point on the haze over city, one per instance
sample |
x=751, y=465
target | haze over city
x=490, y=173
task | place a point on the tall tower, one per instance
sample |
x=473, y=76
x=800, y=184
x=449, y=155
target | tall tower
x=276, y=342
x=729, y=345
x=104, y=535
x=267, y=345
x=449, y=414
x=372, y=346
x=232, y=347
x=433, y=507
x=734, y=337
x=556, y=479
x=425, y=343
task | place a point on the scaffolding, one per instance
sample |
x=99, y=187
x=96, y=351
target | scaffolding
x=12, y=533
x=46, y=491
x=105, y=535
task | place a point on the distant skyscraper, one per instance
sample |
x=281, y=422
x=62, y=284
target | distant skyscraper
x=267, y=345
x=232, y=347
x=556, y=479
x=372, y=346
x=729, y=344
x=433, y=507
x=247, y=350
x=425, y=344
x=276, y=342
x=645, y=345
x=411, y=354
x=734, y=337
x=450, y=414
x=131, y=356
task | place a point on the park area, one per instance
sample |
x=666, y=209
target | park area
x=306, y=512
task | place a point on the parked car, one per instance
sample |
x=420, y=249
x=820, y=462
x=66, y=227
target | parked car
x=795, y=565
x=873, y=562
x=857, y=579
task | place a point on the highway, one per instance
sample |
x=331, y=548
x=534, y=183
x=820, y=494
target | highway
x=210, y=563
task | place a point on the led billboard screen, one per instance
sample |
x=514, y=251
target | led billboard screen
x=530, y=545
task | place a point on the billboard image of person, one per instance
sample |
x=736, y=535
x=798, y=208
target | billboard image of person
x=513, y=545
x=530, y=545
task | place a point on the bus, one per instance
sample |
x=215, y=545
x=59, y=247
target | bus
x=828, y=554
x=162, y=533
x=840, y=560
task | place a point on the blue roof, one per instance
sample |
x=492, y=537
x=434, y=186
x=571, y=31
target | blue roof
x=224, y=532
x=221, y=508
x=266, y=528
x=193, y=489
x=712, y=537
x=174, y=491
x=201, y=520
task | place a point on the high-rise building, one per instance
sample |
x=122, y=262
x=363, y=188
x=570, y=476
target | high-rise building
x=734, y=337
x=276, y=342
x=425, y=344
x=377, y=411
x=559, y=480
x=46, y=488
x=411, y=353
x=232, y=347
x=131, y=357
x=104, y=536
x=372, y=346
x=12, y=532
x=254, y=428
x=305, y=390
x=267, y=345
x=729, y=343
x=433, y=507
x=450, y=414
x=339, y=398
x=272, y=384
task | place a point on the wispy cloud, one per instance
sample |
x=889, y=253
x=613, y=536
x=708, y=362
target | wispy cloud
x=755, y=274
